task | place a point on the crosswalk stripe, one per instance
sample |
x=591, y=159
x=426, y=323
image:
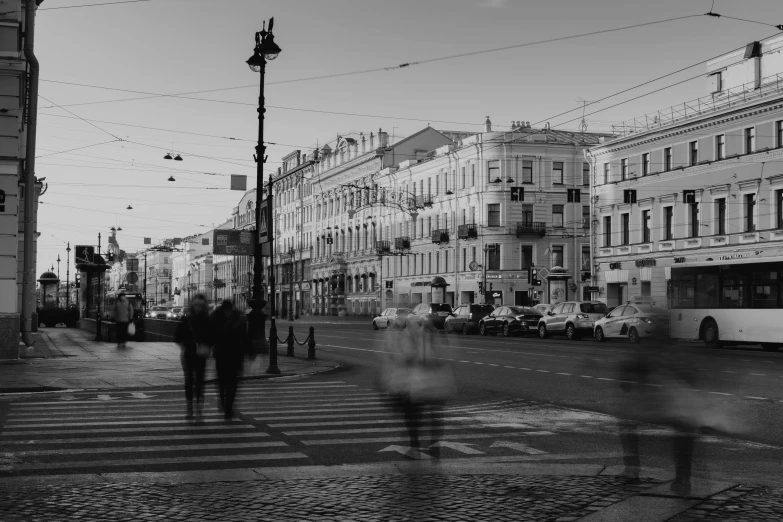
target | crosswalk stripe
x=150, y=449
x=108, y=416
x=258, y=386
x=272, y=412
x=352, y=423
x=243, y=460
x=456, y=436
x=141, y=438
x=193, y=427
x=182, y=422
x=393, y=429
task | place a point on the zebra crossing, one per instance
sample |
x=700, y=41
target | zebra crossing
x=279, y=424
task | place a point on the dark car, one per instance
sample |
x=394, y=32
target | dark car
x=466, y=318
x=432, y=315
x=510, y=320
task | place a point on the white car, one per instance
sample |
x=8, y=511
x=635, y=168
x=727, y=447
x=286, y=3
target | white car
x=634, y=322
x=391, y=318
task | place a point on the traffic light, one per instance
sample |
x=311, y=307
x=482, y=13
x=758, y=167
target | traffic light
x=490, y=287
x=389, y=284
x=534, y=277
x=78, y=283
x=329, y=240
x=481, y=287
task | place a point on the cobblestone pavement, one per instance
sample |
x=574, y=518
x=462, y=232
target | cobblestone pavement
x=738, y=504
x=406, y=497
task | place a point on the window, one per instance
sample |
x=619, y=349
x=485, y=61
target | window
x=668, y=223
x=493, y=257
x=526, y=256
x=693, y=155
x=557, y=172
x=694, y=211
x=493, y=215
x=446, y=261
x=493, y=170
x=779, y=200
x=720, y=146
x=645, y=226
x=437, y=261
x=667, y=159
x=585, y=216
x=764, y=289
x=750, y=212
x=527, y=171
x=624, y=169
x=527, y=213
x=606, y=173
x=750, y=140
x=557, y=255
x=557, y=215
x=645, y=164
x=464, y=178
x=585, y=174
x=585, y=257
x=779, y=133
x=464, y=259
x=720, y=215
x=472, y=174
x=429, y=262
x=716, y=82
x=607, y=231
x=625, y=225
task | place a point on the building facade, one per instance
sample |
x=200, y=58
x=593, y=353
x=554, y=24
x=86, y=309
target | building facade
x=695, y=182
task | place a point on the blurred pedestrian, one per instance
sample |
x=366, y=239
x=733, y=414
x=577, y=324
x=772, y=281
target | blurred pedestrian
x=229, y=330
x=421, y=383
x=194, y=339
x=655, y=377
x=123, y=315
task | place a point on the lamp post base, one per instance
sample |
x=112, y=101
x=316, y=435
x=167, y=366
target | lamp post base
x=273, y=369
x=98, y=328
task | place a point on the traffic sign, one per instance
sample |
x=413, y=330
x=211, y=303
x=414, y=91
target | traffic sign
x=593, y=289
x=83, y=254
x=132, y=278
x=517, y=193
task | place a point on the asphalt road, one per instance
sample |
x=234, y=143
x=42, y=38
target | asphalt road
x=573, y=386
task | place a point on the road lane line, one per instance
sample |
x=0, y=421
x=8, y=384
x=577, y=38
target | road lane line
x=512, y=367
x=543, y=371
x=759, y=374
x=562, y=373
x=757, y=398
x=719, y=393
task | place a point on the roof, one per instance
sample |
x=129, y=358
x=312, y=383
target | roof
x=555, y=136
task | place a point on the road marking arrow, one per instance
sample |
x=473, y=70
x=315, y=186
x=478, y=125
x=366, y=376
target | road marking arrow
x=459, y=446
x=407, y=451
x=106, y=398
x=141, y=395
x=524, y=448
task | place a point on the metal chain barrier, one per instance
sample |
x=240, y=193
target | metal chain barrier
x=291, y=339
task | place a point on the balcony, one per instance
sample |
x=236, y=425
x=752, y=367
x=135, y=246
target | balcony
x=382, y=247
x=526, y=228
x=402, y=243
x=469, y=231
x=424, y=201
x=440, y=235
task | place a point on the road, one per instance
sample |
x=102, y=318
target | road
x=518, y=399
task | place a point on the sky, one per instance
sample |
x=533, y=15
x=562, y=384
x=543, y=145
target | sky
x=104, y=69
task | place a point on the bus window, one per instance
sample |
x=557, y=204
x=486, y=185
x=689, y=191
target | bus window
x=733, y=290
x=683, y=291
x=707, y=290
x=764, y=289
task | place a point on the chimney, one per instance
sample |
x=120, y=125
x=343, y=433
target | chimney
x=372, y=141
x=383, y=139
x=487, y=125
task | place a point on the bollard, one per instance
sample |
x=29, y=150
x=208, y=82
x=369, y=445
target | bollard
x=290, y=352
x=311, y=344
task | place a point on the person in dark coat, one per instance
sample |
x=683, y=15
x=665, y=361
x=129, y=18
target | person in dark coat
x=229, y=330
x=193, y=330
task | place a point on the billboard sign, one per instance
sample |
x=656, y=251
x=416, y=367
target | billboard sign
x=233, y=242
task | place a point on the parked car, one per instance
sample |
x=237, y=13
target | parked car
x=634, y=321
x=391, y=318
x=543, y=308
x=158, y=312
x=572, y=318
x=466, y=318
x=176, y=313
x=510, y=320
x=431, y=315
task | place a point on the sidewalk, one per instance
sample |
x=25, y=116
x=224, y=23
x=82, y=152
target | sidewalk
x=68, y=359
x=456, y=489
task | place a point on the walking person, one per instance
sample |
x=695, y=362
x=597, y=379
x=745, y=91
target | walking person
x=229, y=329
x=123, y=315
x=194, y=339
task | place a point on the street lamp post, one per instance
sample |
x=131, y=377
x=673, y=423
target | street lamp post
x=265, y=49
x=291, y=300
x=68, y=276
x=98, y=336
x=57, y=293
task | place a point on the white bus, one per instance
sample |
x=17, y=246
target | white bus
x=738, y=301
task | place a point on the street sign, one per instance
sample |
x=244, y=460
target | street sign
x=238, y=182
x=389, y=284
x=132, y=278
x=2, y=200
x=233, y=243
x=593, y=289
x=517, y=193
x=574, y=195
x=83, y=254
x=264, y=231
